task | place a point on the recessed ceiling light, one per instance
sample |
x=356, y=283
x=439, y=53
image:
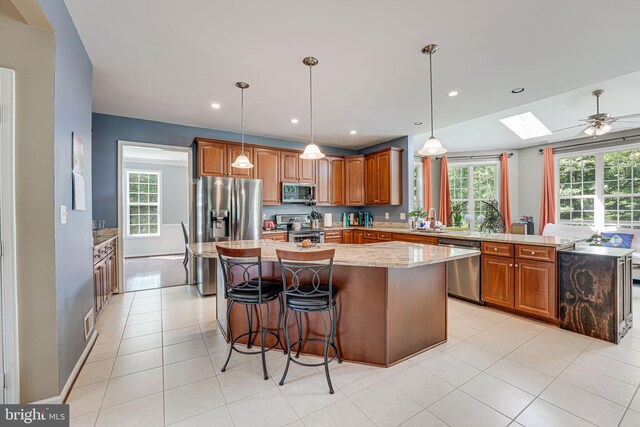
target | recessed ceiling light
x=453, y=93
x=526, y=126
x=417, y=123
x=353, y=132
x=215, y=106
x=294, y=121
x=517, y=90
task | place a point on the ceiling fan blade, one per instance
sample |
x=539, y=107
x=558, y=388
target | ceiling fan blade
x=627, y=121
x=628, y=116
x=567, y=128
x=582, y=134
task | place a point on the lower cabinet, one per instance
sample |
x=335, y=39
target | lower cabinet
x=333, y=236
x=497, y=280
x=105, y=273
x=278, y=237
x=347, y=236
x=535, y=288
x=358, y=237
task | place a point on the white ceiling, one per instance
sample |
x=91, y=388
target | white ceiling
x=169, y=60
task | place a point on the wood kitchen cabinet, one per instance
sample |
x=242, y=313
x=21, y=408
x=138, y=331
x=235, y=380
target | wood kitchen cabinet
x=267, y=165
x=425, y=240
x=383, y=177
x=333, y=236
x=358, y=237
x=289, y=166
x=498, y=280
x=535, y=289
x=105, y=273
x=234, y=152
x=306, y=170
x=278, y=237
x=212, y=158
x=323, y=173
x=354, y=182
x=347, y=236
x=337, y=181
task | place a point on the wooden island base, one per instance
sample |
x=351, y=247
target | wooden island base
x=385, y=315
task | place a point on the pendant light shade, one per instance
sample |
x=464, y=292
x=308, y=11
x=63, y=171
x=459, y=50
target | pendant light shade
x=311, y=151
x=242, y=161
x=432, y=146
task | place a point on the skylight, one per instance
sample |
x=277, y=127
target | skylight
x=526, y=126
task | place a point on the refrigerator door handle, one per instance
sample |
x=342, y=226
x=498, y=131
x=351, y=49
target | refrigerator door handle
x=233, y=213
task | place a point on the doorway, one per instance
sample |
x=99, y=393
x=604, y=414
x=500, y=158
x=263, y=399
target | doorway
x=9, y=388
x=154, y=215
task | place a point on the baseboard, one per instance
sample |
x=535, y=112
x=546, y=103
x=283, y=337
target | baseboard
x=74, y=374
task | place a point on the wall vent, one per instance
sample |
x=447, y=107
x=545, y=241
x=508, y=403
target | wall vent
x=88, y=324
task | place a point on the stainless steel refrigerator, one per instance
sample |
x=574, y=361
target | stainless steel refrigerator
x=226, y=209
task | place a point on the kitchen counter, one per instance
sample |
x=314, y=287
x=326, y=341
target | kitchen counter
x=392, y=297
x=103, y=235
x=385, y=254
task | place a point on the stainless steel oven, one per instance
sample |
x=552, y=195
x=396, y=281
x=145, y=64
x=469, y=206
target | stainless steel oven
x=298, y=192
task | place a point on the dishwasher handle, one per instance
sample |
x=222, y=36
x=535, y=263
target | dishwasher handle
x=459, y=243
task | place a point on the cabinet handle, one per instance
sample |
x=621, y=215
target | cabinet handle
x=517, y=266
x=533, y=252
x=510, y=265
x=495, y=249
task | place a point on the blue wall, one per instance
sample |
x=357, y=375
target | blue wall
x=107, y=130
x=73, y=240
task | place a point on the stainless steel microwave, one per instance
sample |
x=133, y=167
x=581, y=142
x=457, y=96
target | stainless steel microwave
x=298, y=192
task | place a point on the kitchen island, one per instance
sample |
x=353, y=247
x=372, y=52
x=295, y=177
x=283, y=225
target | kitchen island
x=392, y=301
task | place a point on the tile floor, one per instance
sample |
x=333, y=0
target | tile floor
x=143, y=273
x=158, y=356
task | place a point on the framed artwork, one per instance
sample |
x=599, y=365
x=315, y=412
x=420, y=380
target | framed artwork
x=78, y=189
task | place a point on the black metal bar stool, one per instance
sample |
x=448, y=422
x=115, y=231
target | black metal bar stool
x=242, y=288
x=304, y=292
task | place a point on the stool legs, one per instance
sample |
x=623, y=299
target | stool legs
x=286, y=338
x=263, y=332
x=230, y=335
x=328, y=333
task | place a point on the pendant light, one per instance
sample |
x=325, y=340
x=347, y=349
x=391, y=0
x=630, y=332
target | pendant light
x=432, y=146
x=242, y=161
x=311, y=151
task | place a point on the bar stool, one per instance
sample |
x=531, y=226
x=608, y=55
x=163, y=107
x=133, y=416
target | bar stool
x=242, y=288
x=304, y=295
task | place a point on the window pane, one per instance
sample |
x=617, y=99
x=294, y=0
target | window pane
x=133, y=219
x=144, y=198
x=134, y=229
x=576, y=178
x=153, y=178
x=153, y=198
x=133, y=198
x=144, y=178
x=153, y=209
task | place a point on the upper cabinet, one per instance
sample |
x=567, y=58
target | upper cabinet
x=372, y=179
x=212, y=158
x=354, y=182
x=383, y=172
x=267, y=165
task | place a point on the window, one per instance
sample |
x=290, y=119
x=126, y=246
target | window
x=473, y=184
x=600, y=189
x=418, y=185
x=144, y=203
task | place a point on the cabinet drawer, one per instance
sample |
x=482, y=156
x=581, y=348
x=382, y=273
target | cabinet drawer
x=497, y=249
x=425, y=240
x=370, y=235
x=384, y=236
x=328, y=235
x=280, y=237
x=539, y=253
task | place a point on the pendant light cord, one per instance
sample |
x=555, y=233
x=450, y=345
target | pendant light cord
x=431, y=91
x=242, y=117
x=311, y=100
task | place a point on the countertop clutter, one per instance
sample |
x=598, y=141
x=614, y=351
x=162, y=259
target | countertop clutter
x=387, y=254
x=103, y=235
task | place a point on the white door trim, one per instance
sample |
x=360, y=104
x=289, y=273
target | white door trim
x=8, y=227
x=121, y=145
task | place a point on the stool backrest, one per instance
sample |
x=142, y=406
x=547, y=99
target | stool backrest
x=237, y=264
x=303, y=270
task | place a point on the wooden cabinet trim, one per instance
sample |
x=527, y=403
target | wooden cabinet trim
x=498, y=249
x=539, y=253
x=536, y=289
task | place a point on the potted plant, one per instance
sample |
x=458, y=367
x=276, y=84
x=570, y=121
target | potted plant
x=456, y=213
x=416, y=214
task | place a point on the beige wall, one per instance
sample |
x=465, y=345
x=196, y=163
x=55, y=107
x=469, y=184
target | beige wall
x=31, y=54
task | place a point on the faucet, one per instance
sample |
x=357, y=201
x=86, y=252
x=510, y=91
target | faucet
x=432, y=223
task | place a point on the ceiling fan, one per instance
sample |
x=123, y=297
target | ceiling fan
x=600, y=123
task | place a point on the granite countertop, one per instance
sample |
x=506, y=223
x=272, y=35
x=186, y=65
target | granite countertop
x=384, y=254
x=103, y=235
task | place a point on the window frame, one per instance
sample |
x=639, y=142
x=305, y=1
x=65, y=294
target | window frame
x=470, y=164
x=127, y=204
x=598, y=204
x=418, y=184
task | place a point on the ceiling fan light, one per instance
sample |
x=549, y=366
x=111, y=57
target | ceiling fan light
x=242, y=162
x=590, y=130
x=432, y=147
x=601, y=130
x=312, y=152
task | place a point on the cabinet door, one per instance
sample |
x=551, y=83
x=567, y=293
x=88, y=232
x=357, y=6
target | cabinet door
x=235, y=151
x=306, y=170
x=212, y=158
x=536, y=288
x=371, y=181
x=358, y=237
x=347, y=236
x=497, y=280
x=268, y=170
x=113, y=271
x=289, y=166
x=97, y=281
x=354, y=182
x=383, y=163
x=337, y=182
x=323, y=189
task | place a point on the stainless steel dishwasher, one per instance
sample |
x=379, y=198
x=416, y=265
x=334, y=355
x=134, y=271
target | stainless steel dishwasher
x=463, y=275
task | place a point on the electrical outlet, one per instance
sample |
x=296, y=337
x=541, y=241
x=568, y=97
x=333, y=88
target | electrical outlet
x=63, y=214
x=402, y=216
x=386, y=215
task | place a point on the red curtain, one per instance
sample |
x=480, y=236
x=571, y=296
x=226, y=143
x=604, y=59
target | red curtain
x=505, y=210
x=426, y=180
x=444, y=210
x=548, y=203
